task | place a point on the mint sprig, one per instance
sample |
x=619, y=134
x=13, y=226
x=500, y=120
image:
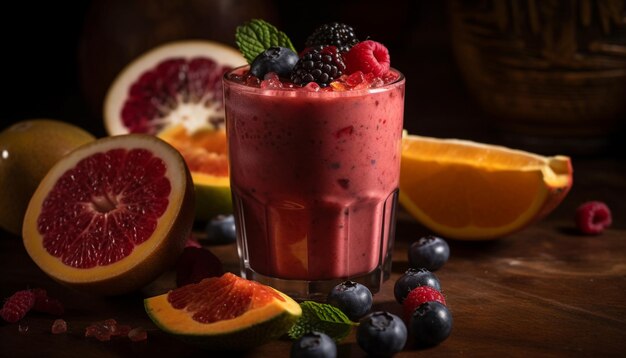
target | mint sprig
x=324, y=318
x=258, y=35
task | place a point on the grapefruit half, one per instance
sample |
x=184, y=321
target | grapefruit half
x=112, y=215
x=474, y=191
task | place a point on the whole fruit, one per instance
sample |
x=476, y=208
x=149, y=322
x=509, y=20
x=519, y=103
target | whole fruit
x=314, y=345
x=280, y=60
x=352, y=298
x=28, y=149
x=381, y=334
x=431, y=323
x=413, y=278
x=430, y=252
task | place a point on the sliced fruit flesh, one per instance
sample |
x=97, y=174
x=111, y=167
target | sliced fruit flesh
x=485, y=199
x=86, y=218
x=205, y=150
x=216, y=299
x=177, y=90
x=467, y=189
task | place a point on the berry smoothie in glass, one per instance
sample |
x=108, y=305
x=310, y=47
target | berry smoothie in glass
x=315, y=162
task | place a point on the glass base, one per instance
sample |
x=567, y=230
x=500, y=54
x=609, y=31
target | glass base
x=303, y=290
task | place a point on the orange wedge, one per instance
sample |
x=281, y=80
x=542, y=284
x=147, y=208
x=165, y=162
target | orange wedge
x=467, y=190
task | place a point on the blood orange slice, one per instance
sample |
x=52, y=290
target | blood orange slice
x=176, y=83
x=111, y=215
x=224, y=313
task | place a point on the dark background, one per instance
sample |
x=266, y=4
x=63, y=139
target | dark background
x=59, y=58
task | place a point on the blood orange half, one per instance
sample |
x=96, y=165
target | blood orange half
x=176, y=83
x=112, y=215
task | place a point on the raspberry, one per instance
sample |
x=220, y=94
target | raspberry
x=593, y=217
x=46, y=304
x=16, y=306
x=369, y=57
x=318, y=64
x=419, y=295
x=335, y=34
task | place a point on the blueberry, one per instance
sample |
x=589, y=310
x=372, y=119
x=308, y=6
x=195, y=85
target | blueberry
x=431, y=324
x=352, y=298
x=413, y=278
x=430, y=252
x=221, y=230
x=381, y=334
x=314, y=345
x=275, y=59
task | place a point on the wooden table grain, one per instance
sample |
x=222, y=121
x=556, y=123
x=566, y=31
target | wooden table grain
x=544, y=291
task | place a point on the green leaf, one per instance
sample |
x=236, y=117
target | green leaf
x=257, y=35
x=324, y=318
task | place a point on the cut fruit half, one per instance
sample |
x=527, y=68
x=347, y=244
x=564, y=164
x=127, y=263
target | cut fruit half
x=176, y=83
x=467, y=190
x=224, y=313
x=112, y=215
x=175, y=91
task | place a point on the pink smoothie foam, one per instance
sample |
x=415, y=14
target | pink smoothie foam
x=314, y=176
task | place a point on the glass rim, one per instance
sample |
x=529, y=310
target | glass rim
x=297, y=92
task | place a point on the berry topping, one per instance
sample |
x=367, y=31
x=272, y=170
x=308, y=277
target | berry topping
x=413, y=278
x=352, y=298
x=314, y=345
x=418, y=296
x=336, y=34
x=369, y=57
x=280, y=60
x=221, y=230
x=320, y=65
x=431, y=324
x=16, y=306
x=381, y=334
x=593, y=217
x=429, y=252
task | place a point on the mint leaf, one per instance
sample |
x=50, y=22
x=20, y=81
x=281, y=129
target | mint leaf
x=257, y=35
x=324, y=318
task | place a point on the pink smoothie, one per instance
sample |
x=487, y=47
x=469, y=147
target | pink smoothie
x=314, y=177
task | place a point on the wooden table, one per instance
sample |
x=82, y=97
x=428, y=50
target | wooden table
x=545, y=291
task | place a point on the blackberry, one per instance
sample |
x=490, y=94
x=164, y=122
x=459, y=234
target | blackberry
x=318, y=64
x=335, y=34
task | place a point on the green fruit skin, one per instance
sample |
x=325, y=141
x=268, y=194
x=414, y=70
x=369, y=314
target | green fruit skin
x=28, y=149
x=248, y=337
x=212, y=201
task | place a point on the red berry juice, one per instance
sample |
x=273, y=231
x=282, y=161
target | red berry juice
x=314, y=176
